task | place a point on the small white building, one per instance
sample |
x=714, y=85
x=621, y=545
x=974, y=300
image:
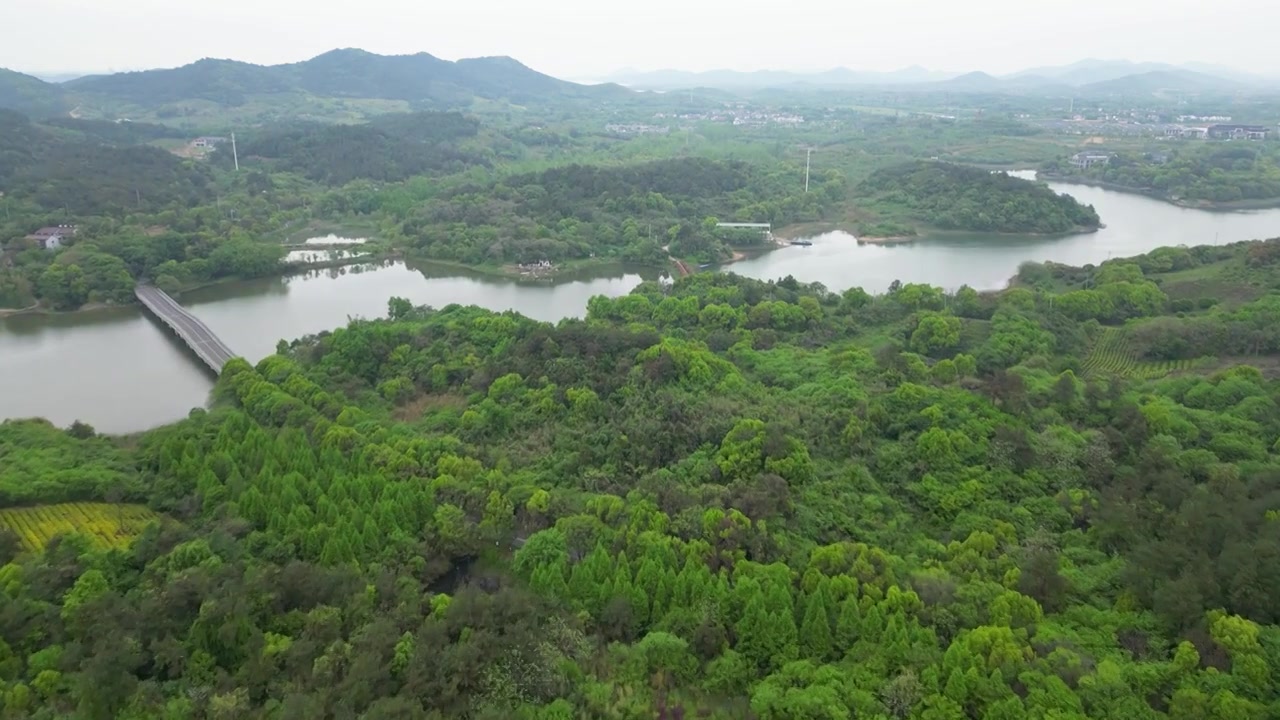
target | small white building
x=52, y=237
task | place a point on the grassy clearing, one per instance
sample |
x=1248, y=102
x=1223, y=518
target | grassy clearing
x=1112, y=355
x=1232, y=282
x=107, y=525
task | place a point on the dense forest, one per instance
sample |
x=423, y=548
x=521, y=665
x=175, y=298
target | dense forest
x=721, y=498
x=1214, y=172
x=118, y=132
x=175, y=246
x=435, y=184
x=389, y=148
x=79, y=174
x=630, y=211
x=956, y=197
x=1219, y=297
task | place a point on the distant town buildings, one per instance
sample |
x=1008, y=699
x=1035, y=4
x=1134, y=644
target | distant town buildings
x=759, y=119
x=1238, y=132
x=740, y=116
x=637, y=129
x=208, y=142
x=1089, y=158
x=51, y=238
x=1137, y=123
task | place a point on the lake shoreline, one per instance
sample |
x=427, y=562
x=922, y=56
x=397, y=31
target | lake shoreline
x=509, y=271
x=1206, y=205
x=923, y=233
x=39, y=309
x=288, y=270
x=887, y=240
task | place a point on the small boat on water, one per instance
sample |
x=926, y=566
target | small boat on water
x=801, y=243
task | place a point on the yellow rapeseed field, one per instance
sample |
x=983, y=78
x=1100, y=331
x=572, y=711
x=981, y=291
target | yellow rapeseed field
x=106, y=524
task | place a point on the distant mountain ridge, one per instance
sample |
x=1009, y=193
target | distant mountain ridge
x=732, y=79
x=1181, y=81
x=208, y=90
x=1090, y=75
x=422, y=80
x=345, y=72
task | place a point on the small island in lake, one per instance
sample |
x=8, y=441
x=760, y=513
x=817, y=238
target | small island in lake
x=958, y=197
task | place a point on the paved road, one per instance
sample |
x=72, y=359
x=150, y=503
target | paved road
x=186, y=326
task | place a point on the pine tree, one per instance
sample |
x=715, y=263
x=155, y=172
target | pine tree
x=753, y=633
x=744, y=592
x=648, y=576
x=682, y=593
x=848, y=625
x=873, y=625
x=815, y=631
x=639, y=600
x=827, y=592
x=662, y=596
x=584, y=588
x=786, y=639
x=556, y=585
x=622, y=567
x=778, y=599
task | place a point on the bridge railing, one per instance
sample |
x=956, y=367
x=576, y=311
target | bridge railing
x=211, y=350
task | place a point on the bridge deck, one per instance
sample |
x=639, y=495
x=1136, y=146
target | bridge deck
x=190, y=329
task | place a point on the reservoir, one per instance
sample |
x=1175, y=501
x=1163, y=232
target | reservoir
x=121, y=371
x=1135, y=224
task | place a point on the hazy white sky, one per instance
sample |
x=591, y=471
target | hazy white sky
x=590, y=38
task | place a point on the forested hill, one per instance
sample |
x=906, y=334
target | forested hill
x=31, y=95
x=388, y=148
x=717, y=498
x=957, y=197
x=80, y=173
x=629, y=211
x=422, y=80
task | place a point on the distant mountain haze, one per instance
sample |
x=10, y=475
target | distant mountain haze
x=587, y=38
x=344, y=72
x=1087, y=74
x=423, y=81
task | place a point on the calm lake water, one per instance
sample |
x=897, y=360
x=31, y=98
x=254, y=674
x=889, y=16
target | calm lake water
x=120, y=371
x=1134, y=225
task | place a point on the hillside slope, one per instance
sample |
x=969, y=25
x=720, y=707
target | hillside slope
x=84, y=176
x=31, y=95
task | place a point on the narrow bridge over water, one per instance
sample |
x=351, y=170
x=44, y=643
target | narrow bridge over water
x=189, y=329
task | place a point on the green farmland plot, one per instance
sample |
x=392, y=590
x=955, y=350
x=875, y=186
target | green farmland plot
x=1112, y=355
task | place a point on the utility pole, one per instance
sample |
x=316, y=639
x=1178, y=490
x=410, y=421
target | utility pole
x=808, y=152
x=234, y=154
